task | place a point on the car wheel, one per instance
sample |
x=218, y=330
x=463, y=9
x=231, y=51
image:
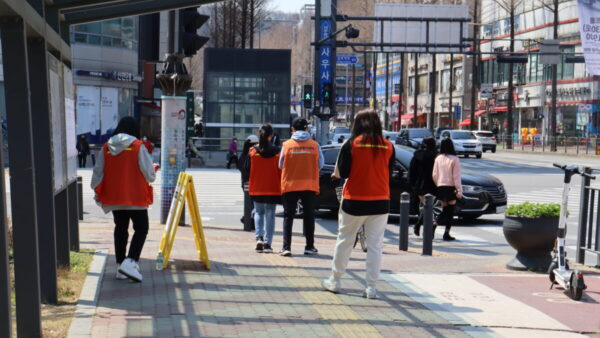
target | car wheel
x=478, y=155
x=494, y=150
x=466, y=155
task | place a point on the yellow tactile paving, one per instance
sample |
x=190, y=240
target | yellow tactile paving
x=328, y=305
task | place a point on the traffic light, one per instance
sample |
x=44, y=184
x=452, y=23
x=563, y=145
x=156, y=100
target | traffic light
x=327, y=95
x=307, y=96
x=189, y=23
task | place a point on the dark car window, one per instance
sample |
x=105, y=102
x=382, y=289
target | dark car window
x=462, y=135
x=330, y=156
x=420, y=133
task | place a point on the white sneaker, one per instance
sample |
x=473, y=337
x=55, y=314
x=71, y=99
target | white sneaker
x=131, y=269
x=331, y=284
x=119, y=275
x=370, y=292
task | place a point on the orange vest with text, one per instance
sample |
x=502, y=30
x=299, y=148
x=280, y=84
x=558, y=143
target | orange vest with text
x=369, y=178
x=300, y=170
x=265, y=175
x=123, y=182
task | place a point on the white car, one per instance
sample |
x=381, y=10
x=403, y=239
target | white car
x=487, y=139
x=465, y=143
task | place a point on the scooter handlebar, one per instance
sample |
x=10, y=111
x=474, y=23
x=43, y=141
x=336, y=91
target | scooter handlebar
x=592, y=177
x=559, y=165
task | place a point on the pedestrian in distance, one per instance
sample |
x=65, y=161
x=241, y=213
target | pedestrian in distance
x=232, y=154
x=300, y=161
x=121, y=181
x=262, y=166
x=248, y=218
x=447, y=177
x=83, y=150
x=420, y=174
x=366, y=161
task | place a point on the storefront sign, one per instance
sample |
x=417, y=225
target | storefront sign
x=572, y=91
x=486, y=91
x=114, y=75
x=589, y=23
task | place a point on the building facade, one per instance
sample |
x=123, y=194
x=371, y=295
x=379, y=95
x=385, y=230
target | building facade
x=105, y=74
x=578, y=97
x=245, y=88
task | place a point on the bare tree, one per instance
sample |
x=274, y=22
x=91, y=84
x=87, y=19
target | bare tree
x=234, y=22
x=510, y=6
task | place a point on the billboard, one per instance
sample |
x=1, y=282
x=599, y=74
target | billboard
x=589, y=23
x=415, y=32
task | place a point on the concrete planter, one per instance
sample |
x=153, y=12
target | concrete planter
x=533, y=238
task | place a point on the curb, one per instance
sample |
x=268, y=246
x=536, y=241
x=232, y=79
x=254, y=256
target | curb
x=540, y=153
x=81, y=326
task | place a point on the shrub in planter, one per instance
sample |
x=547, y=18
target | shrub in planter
x=531, y=229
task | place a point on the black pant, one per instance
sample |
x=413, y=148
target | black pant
x=82, y=160
x=140, y=226
x=290, y=202
x=232, y=158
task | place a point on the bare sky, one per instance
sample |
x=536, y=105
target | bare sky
x=292, y=6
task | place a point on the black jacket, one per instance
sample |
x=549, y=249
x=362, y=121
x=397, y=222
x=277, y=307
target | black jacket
x=421, y=171
x=270, y=151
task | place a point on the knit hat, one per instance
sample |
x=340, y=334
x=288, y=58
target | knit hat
x=252, y=138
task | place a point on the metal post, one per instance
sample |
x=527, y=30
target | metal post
x=22, y=179
x=374, y=85
x=404, y=218
x=450, y=106
x=73, y=217
x=432, y=88
x=428, y=225
x=365, y=75
x=474, y=77
x=387, y=91
x=353, y=93
x=61, y=219
x=80, y=196
x=44, y=183
x=583, y=213
x=401, y=101
x=5, y=301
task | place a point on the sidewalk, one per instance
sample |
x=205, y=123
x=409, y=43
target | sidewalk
x=457, y=292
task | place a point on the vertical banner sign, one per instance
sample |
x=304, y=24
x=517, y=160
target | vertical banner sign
x=172, y=155
x=109, y=110
x=589, y=23
x=70, y=124
x=88, y=109
x=189, y=115
x=324, y=57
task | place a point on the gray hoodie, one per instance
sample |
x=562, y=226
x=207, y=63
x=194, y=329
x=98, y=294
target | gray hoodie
x=116, y=145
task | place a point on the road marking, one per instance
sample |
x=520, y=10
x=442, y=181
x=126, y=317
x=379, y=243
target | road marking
x=471, y=302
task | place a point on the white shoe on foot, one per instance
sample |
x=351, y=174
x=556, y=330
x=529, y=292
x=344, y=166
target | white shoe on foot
x=119, y=275
x=370, y=292
x=131, y=269
x=331, y=284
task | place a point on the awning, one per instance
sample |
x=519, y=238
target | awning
x=480, y=112
x=410, y=116
x=500, y=108
x=466, y=122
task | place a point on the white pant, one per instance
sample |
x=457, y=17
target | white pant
x=348, y=227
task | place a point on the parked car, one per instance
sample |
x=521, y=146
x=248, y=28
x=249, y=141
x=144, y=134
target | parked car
x=393, y=135
x=484, y=194
x=439, y=130
x=465, y=143
x=412, y=137
x=487, y=139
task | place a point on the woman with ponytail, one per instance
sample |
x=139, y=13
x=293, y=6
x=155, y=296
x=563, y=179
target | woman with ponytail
x=262, y=165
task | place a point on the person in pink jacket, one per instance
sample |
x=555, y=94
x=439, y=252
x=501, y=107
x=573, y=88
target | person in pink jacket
x=446, y=176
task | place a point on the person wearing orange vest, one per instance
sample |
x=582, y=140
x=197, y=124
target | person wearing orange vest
x=366, y=161
x=264, y=186
x=121, y=180
x=300, y=160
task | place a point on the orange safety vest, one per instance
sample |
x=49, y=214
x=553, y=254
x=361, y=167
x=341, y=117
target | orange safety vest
x=265, y=175
x=369, y=178
x=123, y=182
x=300, y=170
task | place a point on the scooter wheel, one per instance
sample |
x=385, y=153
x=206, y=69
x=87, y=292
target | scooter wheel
x=551, y=268
x=576, y=291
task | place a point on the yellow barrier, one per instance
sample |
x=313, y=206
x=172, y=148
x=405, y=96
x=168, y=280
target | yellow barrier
x=184, y=192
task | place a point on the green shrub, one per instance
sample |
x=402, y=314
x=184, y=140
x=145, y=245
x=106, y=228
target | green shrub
x=534, y=210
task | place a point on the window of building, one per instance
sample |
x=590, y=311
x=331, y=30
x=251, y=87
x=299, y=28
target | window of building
x=411, y=85
x=458, y=79
x=116, y=33
x=424, y=83
x=566, y=71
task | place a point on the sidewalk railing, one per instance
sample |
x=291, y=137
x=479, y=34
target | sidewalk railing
x=588, y=236
x=558, y=145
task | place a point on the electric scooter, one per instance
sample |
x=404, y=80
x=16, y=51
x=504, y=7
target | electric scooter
x=559, y=272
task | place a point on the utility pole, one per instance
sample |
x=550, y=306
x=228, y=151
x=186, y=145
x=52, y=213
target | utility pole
x=474, y=76
x=374, y=85
x=511, y=95
x=416, y=89
x=353, y=111
x=387, y=90
x=450, y=106
x=401, y=100
x=365, y=75
x=432, y=88
x=552, y=121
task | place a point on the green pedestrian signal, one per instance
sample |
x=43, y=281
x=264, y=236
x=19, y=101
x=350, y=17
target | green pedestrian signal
x=308, y=89
x=327, y=94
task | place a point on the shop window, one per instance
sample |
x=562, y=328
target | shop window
x=111, y=27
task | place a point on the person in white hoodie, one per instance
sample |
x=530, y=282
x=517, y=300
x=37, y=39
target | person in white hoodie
x=121, y=180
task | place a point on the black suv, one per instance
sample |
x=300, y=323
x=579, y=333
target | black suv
x=412, y=137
